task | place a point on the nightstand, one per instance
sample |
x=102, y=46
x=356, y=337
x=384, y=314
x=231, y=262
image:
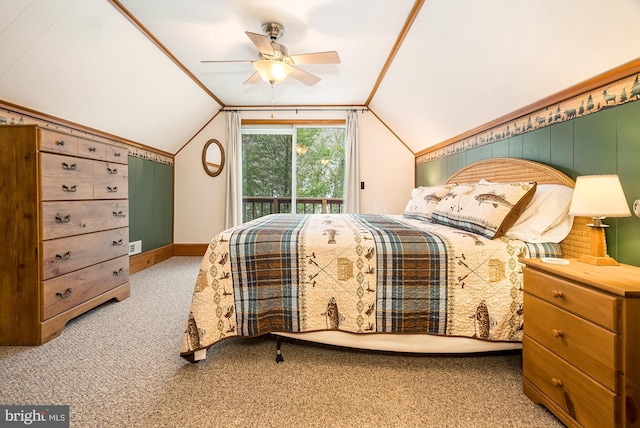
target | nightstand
x=581, y=344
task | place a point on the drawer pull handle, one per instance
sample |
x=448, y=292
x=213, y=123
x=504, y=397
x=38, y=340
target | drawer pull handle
x=118, y=272
x=65, y=256
x=117, y=154
x=112, y=171
x=112, y=189
x=69, y=168
x=65, y=219
x=556, y=382
x=65, y=294
x=557, y=333
x=118, y=214
x=60, y=143
x=68, y=189
x=118, y=243
x=92, y=149
x=557, y=293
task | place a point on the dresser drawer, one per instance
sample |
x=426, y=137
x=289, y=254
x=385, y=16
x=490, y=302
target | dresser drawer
x=60, y=219
x=64, y=255
x=65, y=178
x=582, y=398
x=56, y=142
x=110, y=181
x=66, y=291
x=117, y=154
x=573, y=339
x=92, y=149
x=600, y=308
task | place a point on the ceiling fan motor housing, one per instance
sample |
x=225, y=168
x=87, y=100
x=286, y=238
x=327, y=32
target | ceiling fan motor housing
x=279, y=53
x=273, y=30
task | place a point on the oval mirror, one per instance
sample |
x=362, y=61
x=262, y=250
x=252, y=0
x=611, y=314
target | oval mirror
x=213, y=158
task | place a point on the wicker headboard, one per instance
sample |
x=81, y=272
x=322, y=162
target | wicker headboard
x=510, y=170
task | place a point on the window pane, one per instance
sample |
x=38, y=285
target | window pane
x=319, y=170
x=266, y=174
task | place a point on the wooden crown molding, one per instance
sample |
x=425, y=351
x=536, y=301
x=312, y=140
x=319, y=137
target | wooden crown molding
x=163, y=48
x=396, y=47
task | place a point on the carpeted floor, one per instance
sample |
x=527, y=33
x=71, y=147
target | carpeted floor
x=119, y=366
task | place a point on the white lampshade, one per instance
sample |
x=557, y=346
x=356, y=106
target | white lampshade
x=599, y=196
x=272, y=71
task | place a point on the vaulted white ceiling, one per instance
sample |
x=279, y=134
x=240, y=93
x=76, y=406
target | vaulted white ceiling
x=462, y=63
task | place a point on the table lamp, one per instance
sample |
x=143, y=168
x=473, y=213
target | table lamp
x=598, y=196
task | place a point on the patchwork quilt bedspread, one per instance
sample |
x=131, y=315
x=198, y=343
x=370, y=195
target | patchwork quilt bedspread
x=357, y=273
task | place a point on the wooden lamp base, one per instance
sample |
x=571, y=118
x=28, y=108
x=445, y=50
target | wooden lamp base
x=598, y=254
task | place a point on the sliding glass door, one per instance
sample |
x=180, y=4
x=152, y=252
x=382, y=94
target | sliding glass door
x=292, y=170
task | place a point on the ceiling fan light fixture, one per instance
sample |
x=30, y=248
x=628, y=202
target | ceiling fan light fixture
x=272, y=71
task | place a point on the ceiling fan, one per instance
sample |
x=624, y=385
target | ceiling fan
x=275, y=63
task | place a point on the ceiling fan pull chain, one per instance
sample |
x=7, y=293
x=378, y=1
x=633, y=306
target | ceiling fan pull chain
x=271, y=100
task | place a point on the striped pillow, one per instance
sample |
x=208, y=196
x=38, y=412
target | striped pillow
x=424, y=199
x=486, y=209
x=543, y=250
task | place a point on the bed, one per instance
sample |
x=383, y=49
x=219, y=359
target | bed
x=442, y=277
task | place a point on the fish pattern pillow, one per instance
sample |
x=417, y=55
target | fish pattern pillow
x=423, y=201
x=486, y=209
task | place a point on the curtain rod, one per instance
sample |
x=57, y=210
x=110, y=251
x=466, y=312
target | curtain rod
x=296, y=109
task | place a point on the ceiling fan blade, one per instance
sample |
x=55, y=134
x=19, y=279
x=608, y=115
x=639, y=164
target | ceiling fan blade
x=329, y=57
x=254, y=78
x=304, y=77
x=262, y=42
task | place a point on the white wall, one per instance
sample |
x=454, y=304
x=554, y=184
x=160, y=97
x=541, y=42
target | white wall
x=386, y=166
x=199, y=199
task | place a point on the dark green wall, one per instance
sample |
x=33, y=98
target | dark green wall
x=150, y=203
x=607, y=142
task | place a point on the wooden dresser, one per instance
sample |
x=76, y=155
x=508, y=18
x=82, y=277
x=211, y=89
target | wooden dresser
x=64, y=200
x=581, y=345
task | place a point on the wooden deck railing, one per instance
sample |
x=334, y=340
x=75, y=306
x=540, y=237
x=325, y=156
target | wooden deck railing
x=258, y=206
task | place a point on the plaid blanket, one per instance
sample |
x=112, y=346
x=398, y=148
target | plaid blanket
x=264, y=267
x=411, y=277
x=357, y=273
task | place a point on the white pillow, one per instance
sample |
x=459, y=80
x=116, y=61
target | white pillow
x=546, y=218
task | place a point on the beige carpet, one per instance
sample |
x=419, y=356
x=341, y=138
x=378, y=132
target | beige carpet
x=119, y=366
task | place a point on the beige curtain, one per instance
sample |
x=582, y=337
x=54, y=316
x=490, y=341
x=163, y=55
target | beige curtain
x=352, y=171
x=233, y=215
